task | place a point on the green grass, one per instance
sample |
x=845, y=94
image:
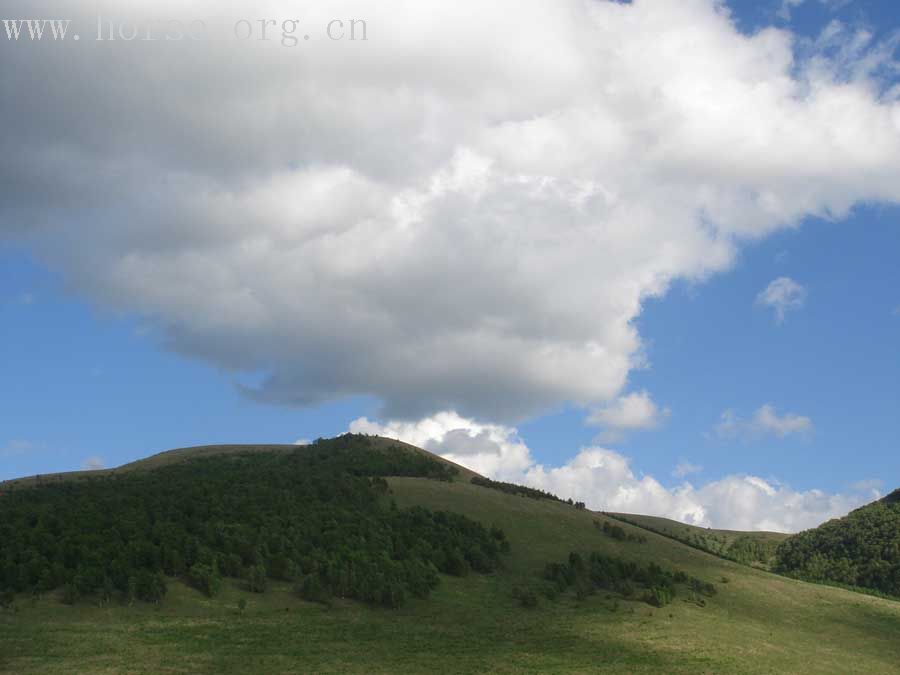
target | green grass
x=757, y=623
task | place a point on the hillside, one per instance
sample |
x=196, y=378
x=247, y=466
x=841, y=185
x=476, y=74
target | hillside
x=475, y=622
x=179, y=455
x=750, y=548
x=315, y=513
x=862, y=549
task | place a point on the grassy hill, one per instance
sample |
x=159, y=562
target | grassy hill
x=756, y=623
x=750, y=548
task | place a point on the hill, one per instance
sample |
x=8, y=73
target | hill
x=315, y=513
x=862, y=549
x=180, y=455
x=750, y=548
x=513, y=618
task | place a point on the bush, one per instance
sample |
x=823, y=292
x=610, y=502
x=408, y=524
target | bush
x=658, y=596
x=618, y=533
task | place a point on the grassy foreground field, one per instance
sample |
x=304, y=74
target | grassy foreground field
x=757, y=623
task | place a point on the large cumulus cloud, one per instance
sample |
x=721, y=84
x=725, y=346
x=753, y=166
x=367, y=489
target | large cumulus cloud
x=464, y=212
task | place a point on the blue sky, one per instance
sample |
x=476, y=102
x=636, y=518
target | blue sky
x=99, y=372
x=83, y=382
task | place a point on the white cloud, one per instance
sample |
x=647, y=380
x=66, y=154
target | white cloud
x=788, y=6
x=765, y=422
x=605, y=480
x=303, y=441
x=783, y=295
x=632, y=412
x=685, y=468
x=93, y=464
x=467, y=211
x=870, y=484
x=489, y=449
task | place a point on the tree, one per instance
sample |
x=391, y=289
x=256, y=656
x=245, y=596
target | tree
x=257, y=579
x=70, y=594
x=313, y=590
x=206, y=579
x=107, y=591
x=150, y=586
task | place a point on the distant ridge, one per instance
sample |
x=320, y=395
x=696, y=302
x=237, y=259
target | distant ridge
x=195, y=452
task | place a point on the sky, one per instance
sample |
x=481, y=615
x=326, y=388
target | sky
x=640, y=254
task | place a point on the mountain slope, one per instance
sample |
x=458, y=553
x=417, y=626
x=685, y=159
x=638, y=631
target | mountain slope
x=750, y=548
x=757, y=622
x=862, y=549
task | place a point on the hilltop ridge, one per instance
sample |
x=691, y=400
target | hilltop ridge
x=176, y=455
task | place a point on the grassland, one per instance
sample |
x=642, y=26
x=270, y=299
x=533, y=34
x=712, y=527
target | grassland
x=757, y=623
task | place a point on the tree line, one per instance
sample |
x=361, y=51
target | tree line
x=651, y=583
x=522, y=491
